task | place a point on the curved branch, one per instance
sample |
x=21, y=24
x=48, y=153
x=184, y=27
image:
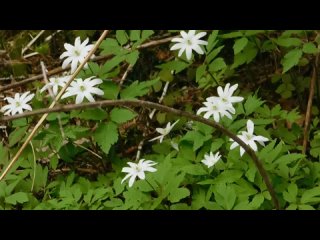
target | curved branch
x=147, y=104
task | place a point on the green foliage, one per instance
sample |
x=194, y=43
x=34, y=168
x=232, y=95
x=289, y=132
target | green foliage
x=76, y=158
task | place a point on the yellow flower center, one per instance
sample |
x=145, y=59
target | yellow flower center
x=82, y=88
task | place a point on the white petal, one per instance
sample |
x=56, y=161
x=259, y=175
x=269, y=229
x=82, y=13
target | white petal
x=189, y=53
x=250, y=127
x=131, y=181
x=79, y=98
x=242, y=151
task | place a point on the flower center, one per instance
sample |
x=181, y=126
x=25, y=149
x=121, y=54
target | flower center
x=77, y=52
x=248, y=136
x=189, y=42
x=56, y=81
x=18, y=104
x=224, y=99
x=82, y=88
x=214, y=108
x=138, y=168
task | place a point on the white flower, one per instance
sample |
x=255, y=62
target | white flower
x=75, y=54
x=226, y=96
x=210, y=160
x=215, y=108
x=17, y=104
x=164, y=131
x=249, y=138
x=55, y=83
x=137, y=170
x=83, y=89
x=189, y=41
x=221, y=105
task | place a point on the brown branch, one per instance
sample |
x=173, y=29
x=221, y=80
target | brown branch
x=96, y=59
x=146, y=104
x=50, y=73
x=38, y=125
x=309, y=106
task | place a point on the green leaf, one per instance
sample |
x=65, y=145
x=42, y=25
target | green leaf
x=176, y=66
x=291, y=194
x=17, y=135
x=177, y=194
x=110, y=89
x=106, y=135
x=305, y=207
x=225, y=196
x=110, y=46
x=197, y=138
x=109, y=65
x=121, y=115
x=137, y=89
x=212, y=40
x=19, y=197
x=291, y=59
x=311, y=196
x=232, y=35
x=3, y=154
x=289, y=158
x=217, y=65
x=135, y=35
x=239, y=45
x=194, y=169
x=289, y=42
x=132, y=57
x=227, y=176
x=213, y=54
x=252, y=104
x=91, y=114
x=309, y=48
x=122, y=37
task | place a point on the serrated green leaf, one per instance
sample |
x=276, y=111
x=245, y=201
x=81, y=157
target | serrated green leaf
x=132, y=57
x=137, y=89
x=135, y=35
x=252, y=104
x=291, y=59
x=239, y=45
x=106, y=135
x=17, y=135
x=122, y=37
x=311, y=196
x=291, y=194
x=217, y=65
x=93, y=114
x=212, y=40
x=288, y=42
x=309, y=48
x=19, y=197
x=122, y=115
x=194, y=169
x=110, y=89
x=177, y=194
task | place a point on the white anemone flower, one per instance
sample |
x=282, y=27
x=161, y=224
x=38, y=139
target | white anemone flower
x=137, y=170
x=249, y=138
x=189, y=41
x=164, y=131
x=83, y=89
x=55, y=83
x=76, y=54
x=210, y=159
x=17, y=104
x=215, y=108
x=225, y=95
